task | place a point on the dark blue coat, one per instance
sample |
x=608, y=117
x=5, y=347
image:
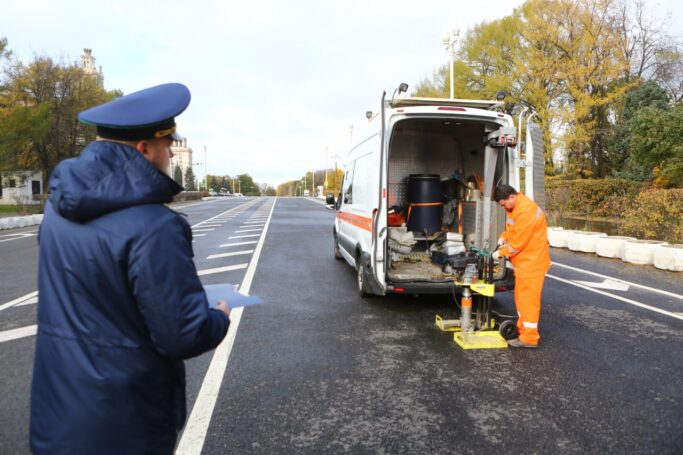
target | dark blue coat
x=120, y=307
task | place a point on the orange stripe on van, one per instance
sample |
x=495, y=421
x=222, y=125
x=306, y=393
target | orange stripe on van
x=356, y=220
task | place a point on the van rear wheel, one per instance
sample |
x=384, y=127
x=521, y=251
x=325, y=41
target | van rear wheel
x=363, y=288
x=337, y=253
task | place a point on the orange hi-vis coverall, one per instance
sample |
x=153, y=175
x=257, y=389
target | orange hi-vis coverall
x=526, y=245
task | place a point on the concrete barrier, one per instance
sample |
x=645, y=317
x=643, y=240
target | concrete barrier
x=558, y=238
x=640, y=251
x=584, y=241
x=668, y=257
x=611, y=246
x=13, y=222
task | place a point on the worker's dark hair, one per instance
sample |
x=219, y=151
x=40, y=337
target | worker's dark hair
x=503, y=192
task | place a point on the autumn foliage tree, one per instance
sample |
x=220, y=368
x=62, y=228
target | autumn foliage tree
x=39, y=105
x=573, y=62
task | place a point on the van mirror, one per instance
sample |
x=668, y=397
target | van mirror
x=347, y=199
x=329, y=199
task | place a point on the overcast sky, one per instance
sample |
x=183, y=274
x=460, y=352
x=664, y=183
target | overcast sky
x=273, y=82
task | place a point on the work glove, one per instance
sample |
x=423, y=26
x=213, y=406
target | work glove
x=496, y=255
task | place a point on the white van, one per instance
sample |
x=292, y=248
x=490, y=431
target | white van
x=416, y=204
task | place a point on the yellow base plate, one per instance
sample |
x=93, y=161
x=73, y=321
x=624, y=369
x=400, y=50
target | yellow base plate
x=487, y=339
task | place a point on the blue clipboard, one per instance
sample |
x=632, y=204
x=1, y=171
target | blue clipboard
x=226, y=292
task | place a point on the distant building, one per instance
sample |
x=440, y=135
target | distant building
x=182, y=157
x=88, y=66
x=20, y=187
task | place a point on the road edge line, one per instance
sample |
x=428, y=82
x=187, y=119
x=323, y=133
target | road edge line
x=660, y=291
x=617, y=297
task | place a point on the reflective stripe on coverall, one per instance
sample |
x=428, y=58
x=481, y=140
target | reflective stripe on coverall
x=526, y=244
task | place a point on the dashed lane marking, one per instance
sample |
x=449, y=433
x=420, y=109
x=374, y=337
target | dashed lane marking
x=21, y=332
x=227, y=268
x=225, y=255
x=30, y=301
x=248, y=230
x=18, y=300
x=242, y=236
x=248, y=242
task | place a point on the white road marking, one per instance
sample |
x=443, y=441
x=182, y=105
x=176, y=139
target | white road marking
x=20, y=235
x=242, y=236
x=197, y=235
x=608, y=284
x=201, y=229
x=194, y=435
x=659, y=291
x=30, y=301
x=618, y=297
x=225, y=255
x=233, y=211
x=251, y=223
x=248, y=230
x=21, y=332
x=18, y=300
x=227, y=268
x=248, y=242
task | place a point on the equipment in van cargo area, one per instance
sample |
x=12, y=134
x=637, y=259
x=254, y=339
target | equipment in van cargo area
x=424, y=203
x=428, y=168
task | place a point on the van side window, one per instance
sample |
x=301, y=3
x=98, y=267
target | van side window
x=348, y=184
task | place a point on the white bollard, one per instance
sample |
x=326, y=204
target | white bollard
x=668, y=257
x=584, y=241
x=611, y=246
x=640, y=251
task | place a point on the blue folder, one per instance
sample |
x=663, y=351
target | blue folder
x=226, y=292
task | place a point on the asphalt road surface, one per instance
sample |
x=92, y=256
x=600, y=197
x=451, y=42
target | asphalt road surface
x=317, y=369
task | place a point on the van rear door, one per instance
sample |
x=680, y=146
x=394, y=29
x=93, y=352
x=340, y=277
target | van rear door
x=378, y=258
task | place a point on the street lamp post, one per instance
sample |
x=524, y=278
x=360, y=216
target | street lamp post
x=325, y=182
x=206, y=175
x=449, y=41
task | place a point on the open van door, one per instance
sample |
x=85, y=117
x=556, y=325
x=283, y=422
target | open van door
x=378, y=258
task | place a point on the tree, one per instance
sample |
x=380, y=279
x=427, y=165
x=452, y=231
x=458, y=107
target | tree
x=656, y=146
x=40, y=103
x=573, y=62
x=178, y=175
x=646, y=94
x=189, y=179
x=247, y=186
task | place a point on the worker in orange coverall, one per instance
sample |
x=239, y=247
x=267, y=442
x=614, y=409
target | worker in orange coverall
x=525, y=243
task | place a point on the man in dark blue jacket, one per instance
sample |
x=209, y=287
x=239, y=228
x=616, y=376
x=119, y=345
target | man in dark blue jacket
x=121, y=305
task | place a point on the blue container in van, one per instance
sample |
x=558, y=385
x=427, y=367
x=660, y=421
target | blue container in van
x=424, y=203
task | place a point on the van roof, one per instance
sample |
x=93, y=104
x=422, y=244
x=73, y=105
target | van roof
x=415, y=101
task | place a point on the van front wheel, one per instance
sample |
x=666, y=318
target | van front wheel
x=363, y=288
